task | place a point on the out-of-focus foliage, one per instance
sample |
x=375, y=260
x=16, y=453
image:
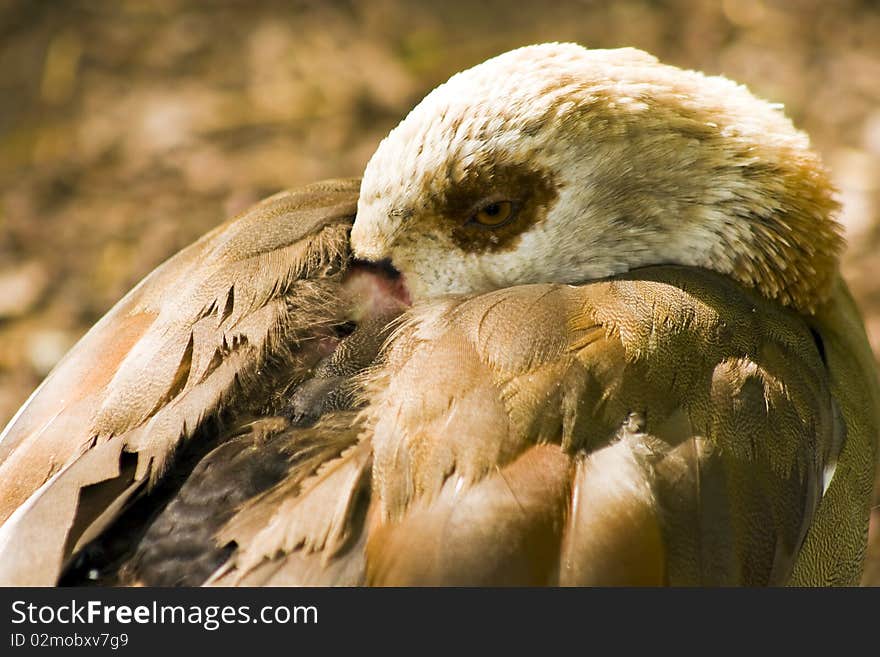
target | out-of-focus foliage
x=128, y=128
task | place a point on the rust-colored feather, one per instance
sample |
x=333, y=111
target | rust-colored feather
x=191, y=337
x=666, y=426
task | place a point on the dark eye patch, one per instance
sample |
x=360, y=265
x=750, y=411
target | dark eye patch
x=532, y=189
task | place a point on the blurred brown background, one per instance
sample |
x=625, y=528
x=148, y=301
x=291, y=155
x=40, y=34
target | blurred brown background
x=128, y=128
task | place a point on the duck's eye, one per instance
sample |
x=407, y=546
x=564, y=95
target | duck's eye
x=495, y=214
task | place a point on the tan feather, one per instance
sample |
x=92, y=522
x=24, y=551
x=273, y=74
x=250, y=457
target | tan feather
x=737, y=403
x=312, y=509
x=171, y=354
x=665, y=426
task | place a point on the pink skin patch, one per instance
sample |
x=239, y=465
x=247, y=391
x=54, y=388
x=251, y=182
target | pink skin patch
x=376, y=289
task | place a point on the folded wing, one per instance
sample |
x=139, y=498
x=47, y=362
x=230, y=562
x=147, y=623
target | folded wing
x=666, y=426
x=252, y=299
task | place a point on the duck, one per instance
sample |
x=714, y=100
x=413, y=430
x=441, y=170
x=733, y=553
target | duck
x=580, y=323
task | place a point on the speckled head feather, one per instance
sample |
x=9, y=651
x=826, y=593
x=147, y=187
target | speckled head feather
x=610, y=161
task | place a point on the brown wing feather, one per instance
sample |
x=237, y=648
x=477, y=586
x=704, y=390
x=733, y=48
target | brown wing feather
x=171, y=353
x=667, y=426
x=309, y=519
x=731, y=389
x=835, y=545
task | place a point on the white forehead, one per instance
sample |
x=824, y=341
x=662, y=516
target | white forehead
x=485, y=110
x=479, y=106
